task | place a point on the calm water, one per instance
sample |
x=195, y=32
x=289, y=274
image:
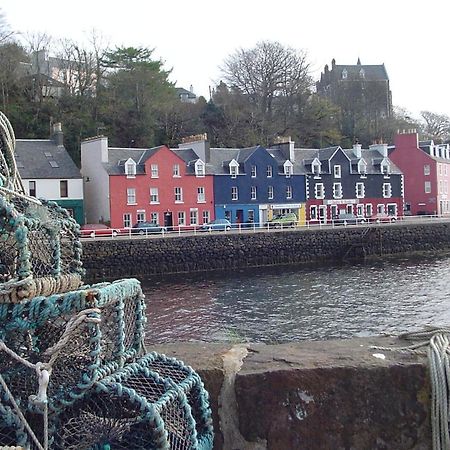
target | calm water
x=285, y=304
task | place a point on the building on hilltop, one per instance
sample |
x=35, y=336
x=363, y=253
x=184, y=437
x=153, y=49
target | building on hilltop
x=48, y=171
x=426, y=167
x=186, y=96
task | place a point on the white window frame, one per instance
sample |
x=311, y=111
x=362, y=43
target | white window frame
x=288, y=192
x=131, y=196
x=201, y=195
x=234, y=168
x=234, y=193
x=269, y=171
x=193, y=216
x=199, y=168
x=206, y=216
x=387, y=190
x=313, y=212
x=337, y=171
x=253, y=172
x=426, y=169
x=127, y=220
x=181, y=218
x=362, y=167
x=154, y=196
x=130, y=168
x=385, y=168
x=360, y=210
x=176, y=171
x=178, y=191
x=270, y=192
x=154, y=218
x=369, y=209
x=337, y=190
x=316, y=164
x=360, y=189
x=319, y=187
x=154, y=171
x=253, y=193
x=380, y=208
x=427, y=187
x=349, y=208
x=140, y=215
x=288, y=169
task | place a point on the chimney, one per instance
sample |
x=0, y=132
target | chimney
x=199, y=143
x=57, y=135
x=286, y=145
x=357, y=150
x=191, y=88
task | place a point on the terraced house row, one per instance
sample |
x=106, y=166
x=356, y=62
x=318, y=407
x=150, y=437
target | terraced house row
x=194, y=184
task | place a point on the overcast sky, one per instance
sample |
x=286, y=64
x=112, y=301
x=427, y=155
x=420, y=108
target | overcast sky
x=194, y=37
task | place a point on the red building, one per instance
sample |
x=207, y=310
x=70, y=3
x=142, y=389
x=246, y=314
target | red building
x=124, y=186
x=426, y=169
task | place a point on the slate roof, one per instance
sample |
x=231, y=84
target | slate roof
x=44, y=159
x=117, y=157
x=181, y=91
x=426, y=147
x=371, y=72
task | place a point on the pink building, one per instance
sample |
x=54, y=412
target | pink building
x=124, y=186
x=426, y=169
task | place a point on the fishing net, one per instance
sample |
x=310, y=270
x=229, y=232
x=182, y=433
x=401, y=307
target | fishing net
x=73, y=369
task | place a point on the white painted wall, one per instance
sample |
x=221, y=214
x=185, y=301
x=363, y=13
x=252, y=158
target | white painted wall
x=50, y=188
x=94, y=152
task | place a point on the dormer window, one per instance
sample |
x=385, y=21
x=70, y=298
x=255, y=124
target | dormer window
x=288, y=169
x=199, y=168
x=130, y=168
x=337, y=171
x=234, y=168
x=344, y=74
x=315, y=167
x=362, y=74
x=362, y=167
x=385, y=168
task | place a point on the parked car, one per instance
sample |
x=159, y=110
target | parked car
x=348, y=219
x=216, y=225
x=283, y=220
x=97, y=229
x=383, y=218
x=147, y=228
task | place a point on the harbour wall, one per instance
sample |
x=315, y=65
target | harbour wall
x=338, y=394
x=108, y=259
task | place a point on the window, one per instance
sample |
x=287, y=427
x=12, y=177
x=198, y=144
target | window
x=178, y=195
x=155, y=171
x=387, y=190
x=181, y=218
x=193, y=216
x=337, y=190
x=130, y=168
x=427, y=187
x=334, y=211
x=426, y=169
x=205, y=216
x=337, y=171
x=288, y=169
x=234, y=169
x=360, y=210
x=199, y=169
x=154, y=195
x=269, y=171
x=369, y=211
x=362, y=167
x=253, y=171
x=360, y=190
x=154, y=218
x=131, y=196
x=349, y=209
x=253, y=192
x=251, y=216
x=176, y=170
x=234, y=193
x=385, y=168
x=201, y=195
x=127, y=220
x=319, y=191
x=344, y=74
x=288, y=192
x=270, y=192
x=313, y=212
x=63, y=188
x=316, y=168
x=380, y=209
x=32, y=188
x=140, y=216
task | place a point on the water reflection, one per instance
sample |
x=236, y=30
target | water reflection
x=285, y=304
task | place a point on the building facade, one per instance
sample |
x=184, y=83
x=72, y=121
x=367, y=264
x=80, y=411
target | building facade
x=426, y=167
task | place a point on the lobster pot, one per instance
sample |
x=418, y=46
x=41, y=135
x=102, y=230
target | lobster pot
x=136, y=408
x=12, y=430
x=40, y=250
x=111, y=336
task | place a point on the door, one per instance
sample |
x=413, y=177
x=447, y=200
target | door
x=239, y=216
x=323, y=214
x=168, y=219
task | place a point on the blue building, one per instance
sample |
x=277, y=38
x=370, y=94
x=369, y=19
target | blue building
x=252, y=184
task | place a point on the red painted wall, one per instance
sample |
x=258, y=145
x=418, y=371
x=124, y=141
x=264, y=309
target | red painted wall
x=166, y=183
x=410, y=159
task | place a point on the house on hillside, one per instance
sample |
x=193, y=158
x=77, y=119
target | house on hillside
x=359, y=181
x=48, y=171
x=251, y=185
x=124, y=186
x=426, y=167
x=186, y=96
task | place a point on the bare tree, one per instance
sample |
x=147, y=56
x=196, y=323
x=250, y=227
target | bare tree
x=5, y=31
x=273, y=78
x=436, y=126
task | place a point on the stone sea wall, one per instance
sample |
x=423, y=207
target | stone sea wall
x=139, y=257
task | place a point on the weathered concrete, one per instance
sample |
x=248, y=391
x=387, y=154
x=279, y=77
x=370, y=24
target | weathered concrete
x=314, y=395
x=108, y=259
